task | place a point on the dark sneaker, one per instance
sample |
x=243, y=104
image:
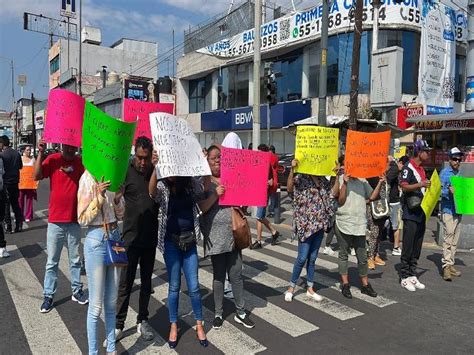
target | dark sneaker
x=47, y=305
x=217, y=323
x=346, y=290
x=8, y=228
x=368, y=290
x=144, y=329
x=275, y=237
x=244, y=320
x=80, y=297
x=256, y=245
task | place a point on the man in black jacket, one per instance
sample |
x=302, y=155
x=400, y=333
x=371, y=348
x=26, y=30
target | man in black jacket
x=140, y=230
x=12, y=164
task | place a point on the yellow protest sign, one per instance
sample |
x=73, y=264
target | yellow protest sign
x=432, y=195
x=316, y=150
x=400, y=152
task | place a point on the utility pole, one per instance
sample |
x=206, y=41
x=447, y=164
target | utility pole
x=33, y=124
x=173, y=55
x=79, y=84
x=14, y=104
x=323, y=69
x=470, y=57
x=375, y=28
x=353, y=108
x=13, y=83
x=256, y=76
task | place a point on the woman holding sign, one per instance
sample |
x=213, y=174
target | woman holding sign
x=314, y=205
x=178, y=235
x=100, y=210
x=27, y=185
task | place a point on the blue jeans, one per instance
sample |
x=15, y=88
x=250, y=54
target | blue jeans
x=58, y=235
x=176, y=260
x=103, y=286
x=307, y=254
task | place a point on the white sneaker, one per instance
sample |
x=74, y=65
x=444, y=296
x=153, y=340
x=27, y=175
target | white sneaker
x=314, y=296
x=118, y=336
x=414, y=280
x=408, y=285
x=288, y=296
x=328, y=251
x=353, y=252
x=396, y=251
x=4, y=253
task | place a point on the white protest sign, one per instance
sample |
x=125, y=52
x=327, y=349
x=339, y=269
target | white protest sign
x=179, y=152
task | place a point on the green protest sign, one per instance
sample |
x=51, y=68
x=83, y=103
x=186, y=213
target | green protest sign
x=106, y=145
x=463, y=192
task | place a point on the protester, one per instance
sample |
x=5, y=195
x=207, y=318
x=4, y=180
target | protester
x=375, y=226
x=262, y=211
x=27, y=195
x=272, y=190
x=12, y=164
x=178, y=234
x=64, y=171
x=3, y=244
x=219, y=244
x=100, y=210
x=314, y=205
x=449, y=217
x=351, y=224
x=140, y=229
x=413, y=182
x=393, y=172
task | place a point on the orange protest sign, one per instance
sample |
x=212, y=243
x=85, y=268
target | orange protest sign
x=366, y=153
x=27, y=180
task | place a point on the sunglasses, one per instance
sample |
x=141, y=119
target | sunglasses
x=457, y=160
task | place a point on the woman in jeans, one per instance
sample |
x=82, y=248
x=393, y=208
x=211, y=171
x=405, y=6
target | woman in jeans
x=219, y=244
x=314, y=205
x=99, y=210
x=178, y=234
x=351, y=225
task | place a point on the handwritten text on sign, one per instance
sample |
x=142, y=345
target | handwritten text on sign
x=134, y=110
x=366, y=153
x=463, y=192
x=106, y=146
x=244, y=174
x=65, y=115
x=179, y=151
x=316, y=150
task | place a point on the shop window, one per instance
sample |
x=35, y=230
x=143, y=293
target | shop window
x=200, y=94
x=459, y=75
x=54, y=65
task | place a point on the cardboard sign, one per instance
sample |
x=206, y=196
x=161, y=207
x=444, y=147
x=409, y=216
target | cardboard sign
x=366, y=153
x=463, y=194
x=65, y=116
x=106, y=146
x=316, y=150
x=400, y=152
x=27, y=178
x=139, y=111
x=179, y=151
x=432, y=195
x=244, y=174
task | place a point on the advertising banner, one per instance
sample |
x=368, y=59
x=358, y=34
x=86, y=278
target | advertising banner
x=470, y=94
x=437, y=57
x=432, y=195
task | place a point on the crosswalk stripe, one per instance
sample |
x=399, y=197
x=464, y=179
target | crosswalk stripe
x=328, y=306
x=378, y=301
x=23, y=286
x=269, y=312
x=229, y=339
x=293, y=253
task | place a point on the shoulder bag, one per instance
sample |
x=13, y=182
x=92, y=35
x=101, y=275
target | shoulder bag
x=240, y=229
x=380, y=208
x=115, y=252
x=184, y=241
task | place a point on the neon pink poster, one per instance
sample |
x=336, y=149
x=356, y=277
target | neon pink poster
x=244, y=174
x=65, y=114
x=134, y=109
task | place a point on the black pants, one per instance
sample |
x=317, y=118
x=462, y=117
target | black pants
x=12, y=195
x=3, y=243
x=413, y=234
x=146, y=258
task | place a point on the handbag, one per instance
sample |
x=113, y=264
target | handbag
x=240, y=229
x=380, y=208
x=115, y=252
x=184, y=241
x=413, y=202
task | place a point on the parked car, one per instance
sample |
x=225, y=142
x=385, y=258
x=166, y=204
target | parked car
x=284, y=166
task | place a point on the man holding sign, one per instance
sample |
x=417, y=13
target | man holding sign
x=450, y=218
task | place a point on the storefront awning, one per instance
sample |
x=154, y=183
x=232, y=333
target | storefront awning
x=445, y=117
x=463, y=121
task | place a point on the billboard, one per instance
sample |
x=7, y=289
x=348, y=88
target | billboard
x=68, y=8
x=140, y=90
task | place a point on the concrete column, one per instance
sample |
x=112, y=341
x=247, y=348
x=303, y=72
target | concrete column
x=215, y=90
x=182, y=97
x=251, y=84
x=305, y=74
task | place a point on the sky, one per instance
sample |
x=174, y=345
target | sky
x=152, y=20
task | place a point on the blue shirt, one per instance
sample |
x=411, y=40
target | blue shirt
x=447, y=198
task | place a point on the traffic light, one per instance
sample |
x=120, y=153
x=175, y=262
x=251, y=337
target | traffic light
x=270, y=84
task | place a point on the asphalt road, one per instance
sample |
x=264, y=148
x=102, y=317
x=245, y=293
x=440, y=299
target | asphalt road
x=438, y=320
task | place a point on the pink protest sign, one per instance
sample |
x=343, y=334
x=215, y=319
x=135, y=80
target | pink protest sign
x=244, y=174
x=134, y=109
x=65, y=116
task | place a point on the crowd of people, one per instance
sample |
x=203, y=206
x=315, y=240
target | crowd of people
x=174, y=214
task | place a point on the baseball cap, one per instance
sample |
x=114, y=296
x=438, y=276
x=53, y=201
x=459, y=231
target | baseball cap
x=421, y=145
x=455, y=152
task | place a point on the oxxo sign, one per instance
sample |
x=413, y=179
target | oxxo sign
x=408, y=112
